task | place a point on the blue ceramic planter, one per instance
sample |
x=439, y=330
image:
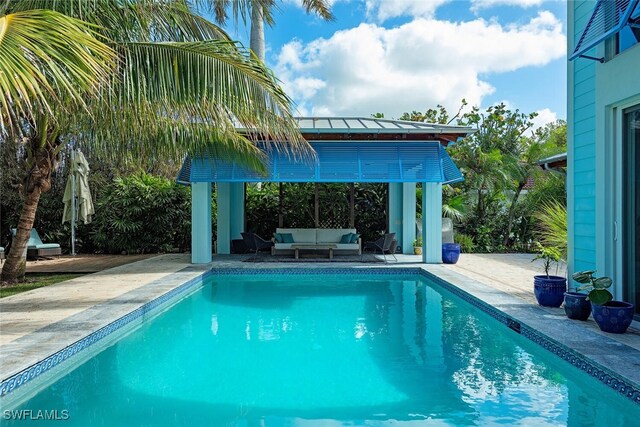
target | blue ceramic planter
x=549, y=291
x=576, y=306
x=613, y=317
x=450, y=253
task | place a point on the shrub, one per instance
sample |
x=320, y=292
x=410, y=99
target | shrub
x=142, y=213
x=466, y=242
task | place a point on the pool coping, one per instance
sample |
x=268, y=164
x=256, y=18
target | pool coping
x=617, y=367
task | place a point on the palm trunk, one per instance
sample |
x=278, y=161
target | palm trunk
x=257, y=31
x=512, y=212
x=37, y=181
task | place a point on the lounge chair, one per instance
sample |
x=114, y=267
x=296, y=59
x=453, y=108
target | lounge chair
x=36, y=248
x=256, y=243
x=384, y=245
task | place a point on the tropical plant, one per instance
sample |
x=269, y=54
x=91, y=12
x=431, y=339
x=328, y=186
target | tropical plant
x=466, y=242
x=549, y=256
x=597, y=287
x=552, y=225
x=418, y=242
x=142, y=213
x=179, y=85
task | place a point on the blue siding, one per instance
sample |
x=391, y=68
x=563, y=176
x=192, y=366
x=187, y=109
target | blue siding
x=583, y=149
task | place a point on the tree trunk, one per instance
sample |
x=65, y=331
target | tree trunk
x=37, y=181
x=257, y=31
x=512, y=212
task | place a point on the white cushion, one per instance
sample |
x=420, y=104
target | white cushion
x=300, y=235
x=333, y=235
x=281, y=246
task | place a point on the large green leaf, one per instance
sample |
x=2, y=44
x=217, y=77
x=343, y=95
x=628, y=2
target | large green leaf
x=600, y=296
x=48, y=60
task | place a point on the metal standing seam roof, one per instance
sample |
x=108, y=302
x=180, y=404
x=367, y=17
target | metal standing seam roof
x=349, y=149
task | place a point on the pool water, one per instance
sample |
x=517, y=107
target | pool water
x=327, y=351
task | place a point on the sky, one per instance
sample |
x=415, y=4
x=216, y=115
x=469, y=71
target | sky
x=396, y=56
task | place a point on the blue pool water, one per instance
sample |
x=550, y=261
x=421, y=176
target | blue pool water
x=327, y=351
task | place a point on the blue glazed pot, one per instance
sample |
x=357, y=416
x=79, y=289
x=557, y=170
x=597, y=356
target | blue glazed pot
x=549, y=291
x=576, y=306
x=613, y=317
x=450, y=253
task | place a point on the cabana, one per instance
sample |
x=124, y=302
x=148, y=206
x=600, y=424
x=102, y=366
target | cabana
x=401, y=153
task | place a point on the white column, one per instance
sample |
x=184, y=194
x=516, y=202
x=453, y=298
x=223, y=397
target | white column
x=201, y=222
x=395, y=210
x=223, y=200
x=408, y=216
x=432, y=223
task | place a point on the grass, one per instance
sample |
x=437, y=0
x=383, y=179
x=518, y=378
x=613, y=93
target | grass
x=34, y=281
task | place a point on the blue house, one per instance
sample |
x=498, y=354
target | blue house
x=603, y=158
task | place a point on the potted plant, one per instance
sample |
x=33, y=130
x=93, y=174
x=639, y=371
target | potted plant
x=576, y=305
x=549, y=290
x=417, y=246
x=611, y=316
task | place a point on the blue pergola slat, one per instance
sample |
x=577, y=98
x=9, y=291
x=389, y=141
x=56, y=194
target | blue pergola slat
x=608, y=18
x=338, y=162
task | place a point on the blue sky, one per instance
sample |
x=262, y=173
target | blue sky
x=393, y=56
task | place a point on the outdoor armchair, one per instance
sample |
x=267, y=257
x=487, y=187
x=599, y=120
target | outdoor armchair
x=256, y=243
x=383, y=244
x=36, y=248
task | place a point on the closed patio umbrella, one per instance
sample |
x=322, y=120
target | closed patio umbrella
x=78, y=204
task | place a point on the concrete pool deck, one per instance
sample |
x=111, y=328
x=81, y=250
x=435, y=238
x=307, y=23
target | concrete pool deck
x=38, y=323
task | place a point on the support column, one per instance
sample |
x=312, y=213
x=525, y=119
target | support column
x=201, y=222
x=408, y=216
x=236, y=204
x=395, y=211
x=223, y=200
x=432, y=223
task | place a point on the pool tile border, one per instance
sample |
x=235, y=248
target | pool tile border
x=600, y=373
x=593, y=369
x=21, y=378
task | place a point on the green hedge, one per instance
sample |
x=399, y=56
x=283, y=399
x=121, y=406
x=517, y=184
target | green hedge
x=141, y=214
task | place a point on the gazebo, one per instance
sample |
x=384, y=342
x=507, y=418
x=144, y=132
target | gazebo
x=349, y=149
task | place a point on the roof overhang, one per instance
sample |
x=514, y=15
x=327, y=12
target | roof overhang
x=389, y=161
x=348, y=149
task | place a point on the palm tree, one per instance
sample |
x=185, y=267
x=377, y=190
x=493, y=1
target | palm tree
x=260, y=13
x=179, y=85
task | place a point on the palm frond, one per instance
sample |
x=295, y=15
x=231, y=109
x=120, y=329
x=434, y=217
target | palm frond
x=45, y=58
x=552, y=228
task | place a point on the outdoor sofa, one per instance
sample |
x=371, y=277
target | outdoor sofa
x=317, y=236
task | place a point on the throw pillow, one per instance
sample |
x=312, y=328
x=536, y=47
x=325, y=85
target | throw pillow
x=277, y=237
x=346, y=238
x=354, y=237
x=287, y=237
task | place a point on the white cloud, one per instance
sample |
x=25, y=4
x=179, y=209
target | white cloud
x=477, y=5
x=382, y=10
x=544, y=116
x=415, y=66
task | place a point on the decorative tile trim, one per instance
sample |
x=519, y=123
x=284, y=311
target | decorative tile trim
x=593, y=369
x=39, y=368
x=312, y=271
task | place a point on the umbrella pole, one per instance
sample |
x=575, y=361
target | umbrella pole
x=73, y=206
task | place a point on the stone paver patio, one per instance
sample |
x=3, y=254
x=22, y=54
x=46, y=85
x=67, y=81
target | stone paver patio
x=36, y=324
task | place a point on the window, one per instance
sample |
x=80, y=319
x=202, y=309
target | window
x=631, y=206
x=629, y=35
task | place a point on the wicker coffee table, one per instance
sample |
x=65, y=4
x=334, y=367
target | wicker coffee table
x=312, y=247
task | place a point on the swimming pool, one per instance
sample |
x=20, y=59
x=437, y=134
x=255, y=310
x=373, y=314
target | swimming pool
x=327, y=350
